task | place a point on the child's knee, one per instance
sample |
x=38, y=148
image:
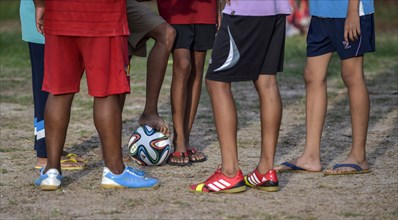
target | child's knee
x=169, y=37
x=312, y=77
x=165, y=35
x=216, y=86
x=270, y=82
x=352, y=77
x=182, y=66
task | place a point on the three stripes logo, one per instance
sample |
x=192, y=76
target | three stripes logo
x=253, y=179
x=218, y=185
x=215, y=186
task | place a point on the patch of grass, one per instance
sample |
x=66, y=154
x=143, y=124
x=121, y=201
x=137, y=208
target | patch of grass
x=3, y=170
x=264, y=215
x=12, y=202
x=9, y=10
x=111, y=212
x=350, y=214
x=295, y=57
x=294, y=217
x=132, y=202
x=17, y=99
x=14, y=53
x=9, y=149
x=386, y=17
x=181, y=203
x=386, y=54
x=325, y=186
x=83, y=103
x=393, y=213
x=55, y=212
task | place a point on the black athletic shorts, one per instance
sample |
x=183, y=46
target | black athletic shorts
x=247, y=46
x=195, y=37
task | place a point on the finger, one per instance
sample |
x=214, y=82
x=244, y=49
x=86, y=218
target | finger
x=162, y=130
x=167, y=131
x=38, y=28
x=359, y=31
x=346, y=36
x=353, y=35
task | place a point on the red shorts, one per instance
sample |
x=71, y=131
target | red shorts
x=105, y=60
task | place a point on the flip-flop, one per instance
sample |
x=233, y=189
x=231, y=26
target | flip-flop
x=69, y=164
x=191, y=152
x=358, y=169
x=74, y=156
x=294, y=168
x=179, y=156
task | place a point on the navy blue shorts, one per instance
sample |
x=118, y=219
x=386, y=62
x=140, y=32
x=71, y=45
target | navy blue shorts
x=326, y=35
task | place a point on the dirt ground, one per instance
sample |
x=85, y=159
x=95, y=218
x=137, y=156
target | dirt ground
x=302, y=196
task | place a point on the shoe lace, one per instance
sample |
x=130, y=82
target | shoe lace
x=131, y=171
x=216, y=174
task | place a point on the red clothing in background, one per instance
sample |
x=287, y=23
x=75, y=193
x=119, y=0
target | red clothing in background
x=188, y=11
x=86, y=18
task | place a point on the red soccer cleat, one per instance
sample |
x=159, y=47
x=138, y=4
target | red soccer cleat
x=219, y=183
x=267, y=182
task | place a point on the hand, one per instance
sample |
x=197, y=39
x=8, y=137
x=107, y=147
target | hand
x=352, y=27
x=40, y=19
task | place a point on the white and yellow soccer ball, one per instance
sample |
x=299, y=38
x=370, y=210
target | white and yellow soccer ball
x=149, y=147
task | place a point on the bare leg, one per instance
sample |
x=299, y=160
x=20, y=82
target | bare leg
x=316, y=105
x=122, y=100
x=194, y=91
x=271, y=115
x=353, y=77
x=164, y=36
x=181, y=72
x=56, y=116
x=224, y=111
x=41, y=162
x=108, y=122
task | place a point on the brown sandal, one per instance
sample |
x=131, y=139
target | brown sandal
x=178, y=156
x=191, y=154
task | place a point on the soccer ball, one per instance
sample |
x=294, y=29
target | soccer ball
x=149, y=147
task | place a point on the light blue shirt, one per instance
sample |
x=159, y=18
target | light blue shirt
x=338, y=8
x=28, y=23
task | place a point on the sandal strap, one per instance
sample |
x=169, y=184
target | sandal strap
x=179, y=154
x=192, y=150
x=69, y=155
x=73, y=160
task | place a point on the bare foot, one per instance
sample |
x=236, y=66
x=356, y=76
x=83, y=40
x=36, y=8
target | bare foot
x=179, y=159
x=195, y=155
x=300, y=164
x=67, y=163
x=78, y=158
x=155, y=122
x=41, y=162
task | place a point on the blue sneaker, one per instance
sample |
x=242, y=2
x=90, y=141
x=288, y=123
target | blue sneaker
x=51, y=180
x=137, y=171
x=130, y=178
